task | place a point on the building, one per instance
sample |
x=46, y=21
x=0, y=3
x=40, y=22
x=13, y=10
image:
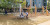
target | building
x=38, y=3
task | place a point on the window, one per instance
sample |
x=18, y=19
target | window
x=33, y=2
x=44, y=2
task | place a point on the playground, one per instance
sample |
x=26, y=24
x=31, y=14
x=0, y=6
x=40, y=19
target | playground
x=17, y=15
x=34, y=18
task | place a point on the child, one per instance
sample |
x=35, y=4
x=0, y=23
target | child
x=26, y=15
x=5, y=12
x=22, y=15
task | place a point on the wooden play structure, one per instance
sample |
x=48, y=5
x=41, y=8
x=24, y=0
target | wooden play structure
x=36, y=9
x=29, y=8
x=42, y=10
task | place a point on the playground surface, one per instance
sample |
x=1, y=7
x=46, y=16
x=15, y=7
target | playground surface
x=10, y=19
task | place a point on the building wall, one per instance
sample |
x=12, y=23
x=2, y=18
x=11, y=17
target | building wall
x=38, y=3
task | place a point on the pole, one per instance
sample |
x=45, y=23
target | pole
x=30, y=3
x=20, y=9
x=46, y=11
x=30, y=7
x=35, y=10
x=42, y=9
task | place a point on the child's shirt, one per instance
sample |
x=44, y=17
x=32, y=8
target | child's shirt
x=27, y=13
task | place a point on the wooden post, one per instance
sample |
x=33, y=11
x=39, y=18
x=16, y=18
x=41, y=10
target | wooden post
x=42, y=9
x=30, y=6
x=46, y=11
x=29, y=9
x=30, y=3
x=35, y=10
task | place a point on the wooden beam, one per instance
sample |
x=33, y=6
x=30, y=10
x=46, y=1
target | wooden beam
x=46, y=11
x=35, y=10
x=30, y=3
x=42, y=9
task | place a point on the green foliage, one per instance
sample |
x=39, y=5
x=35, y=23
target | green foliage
x=48, y=4
x=23, y=4
x=31, y=11
x=49, y=0
x=9, y=3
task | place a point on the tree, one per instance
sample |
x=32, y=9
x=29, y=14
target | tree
x=31, y=10
x=9, y=3
x=48, y=4
x=23, y=4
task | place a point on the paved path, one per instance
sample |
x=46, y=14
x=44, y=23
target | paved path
x=40, y=19
x=45, y=23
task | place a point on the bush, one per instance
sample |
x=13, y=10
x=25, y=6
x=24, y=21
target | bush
x=1, y=11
